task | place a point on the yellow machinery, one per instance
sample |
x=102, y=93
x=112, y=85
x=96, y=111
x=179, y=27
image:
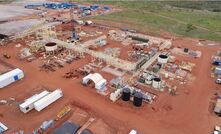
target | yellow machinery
x=63, y=112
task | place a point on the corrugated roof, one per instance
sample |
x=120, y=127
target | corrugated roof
x=10, y=74
x=33, y=99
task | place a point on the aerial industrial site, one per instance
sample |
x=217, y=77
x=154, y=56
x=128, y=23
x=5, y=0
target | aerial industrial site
x=63, y=72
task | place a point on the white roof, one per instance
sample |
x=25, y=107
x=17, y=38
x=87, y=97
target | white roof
x=3, y=126
x=218, y=68
x=87, y=77
x=45, y=100
x=101, y=82
x=10, y=74
x=33, y=99
x=133, y=132
x=96, y=77
x=215, y=132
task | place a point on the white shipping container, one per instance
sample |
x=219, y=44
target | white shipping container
x=3, y=127
x=10, y=77
x=47, y=100
x=28, y=105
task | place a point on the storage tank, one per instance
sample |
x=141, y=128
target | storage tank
x=51, y=47
x=156, y=82
x=126, y=94
x=162, y=59
x=138, y=98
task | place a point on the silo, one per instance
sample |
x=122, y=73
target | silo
x=126, y=94
x=138, y=98
x=156, y=82
x=162, y=59
x=51, y=47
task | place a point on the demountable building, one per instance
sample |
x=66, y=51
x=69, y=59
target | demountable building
x=48, y=99
x=217, y=108
x=3, y=128
x=28, y=105
x=218, y=70
x=10, y=77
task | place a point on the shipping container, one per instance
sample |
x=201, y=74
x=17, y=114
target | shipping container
x=10, y=77
x=3, y=128
x=28, y=105
x=48, y=99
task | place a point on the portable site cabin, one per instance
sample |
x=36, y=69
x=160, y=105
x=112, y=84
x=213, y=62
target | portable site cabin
x=47, y=100
x=217, y=108
x=28, y=105
x=3, y=128
x=10, y=77
x=218, y=70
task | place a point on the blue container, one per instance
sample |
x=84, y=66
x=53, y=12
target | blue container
x=16, y=77
x=217, y=62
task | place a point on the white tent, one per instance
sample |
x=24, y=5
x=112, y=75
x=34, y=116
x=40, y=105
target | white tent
x=10, y=77
x=99, y=81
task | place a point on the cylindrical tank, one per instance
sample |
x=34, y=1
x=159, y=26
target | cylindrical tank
x=156, y=83
x=126, y=94
x=138, y=98
x=162, y=59
x=51, y=46
x=186, y=50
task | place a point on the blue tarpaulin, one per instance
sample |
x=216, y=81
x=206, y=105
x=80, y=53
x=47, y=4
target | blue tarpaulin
x=67, y=128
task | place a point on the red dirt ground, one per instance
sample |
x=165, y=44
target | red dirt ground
x=182, y=114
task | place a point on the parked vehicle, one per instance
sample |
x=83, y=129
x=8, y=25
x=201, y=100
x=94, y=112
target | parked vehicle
x=218, y=81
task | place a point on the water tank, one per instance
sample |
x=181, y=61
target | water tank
x=162, y=59
x=126, y=94
x=186, y=50
x=138, y=98
x=51, y=46
x=156, y=82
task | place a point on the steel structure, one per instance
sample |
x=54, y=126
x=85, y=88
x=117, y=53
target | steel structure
x=116, y=62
